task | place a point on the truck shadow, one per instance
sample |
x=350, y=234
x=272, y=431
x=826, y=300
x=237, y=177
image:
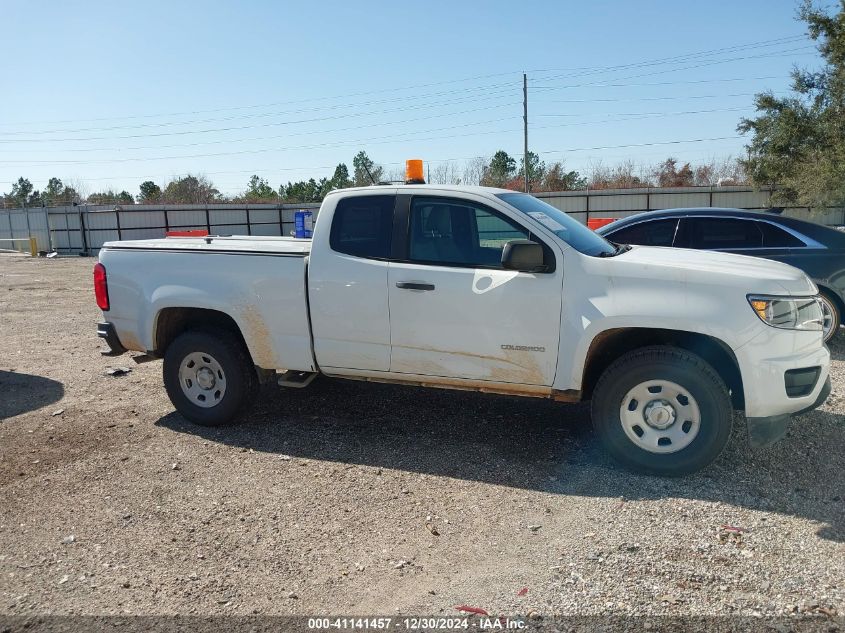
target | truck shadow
x=837, y=346
x=20, y=393
x=530, y=444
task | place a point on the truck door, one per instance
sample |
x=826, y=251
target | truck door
x=347, y=284
x=456, y=313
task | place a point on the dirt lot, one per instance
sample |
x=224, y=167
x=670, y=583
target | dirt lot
x=361, y=499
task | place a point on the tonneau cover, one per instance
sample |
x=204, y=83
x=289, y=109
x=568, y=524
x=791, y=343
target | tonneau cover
x=236, y=243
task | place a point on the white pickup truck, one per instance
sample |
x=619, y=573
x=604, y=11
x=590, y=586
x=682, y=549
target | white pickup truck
x=480, y=289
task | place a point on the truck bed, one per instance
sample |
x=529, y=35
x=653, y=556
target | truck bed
x=257, y=281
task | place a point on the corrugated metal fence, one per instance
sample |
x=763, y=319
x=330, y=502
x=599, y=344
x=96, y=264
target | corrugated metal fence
x=24, y=223
x=84, y=229
x=618, y=203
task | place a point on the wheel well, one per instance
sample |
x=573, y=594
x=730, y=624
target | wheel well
x=171, y=322
x=611, y=344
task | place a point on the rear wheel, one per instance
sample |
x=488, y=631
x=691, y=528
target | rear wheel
x=209, y=376
x=662, y=410
x=831, y=317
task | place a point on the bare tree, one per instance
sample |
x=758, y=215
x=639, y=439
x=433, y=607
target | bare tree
x=625, y=175
x=446, y=173
x=80, y=187
x=719, y=171
x=397, y=174
x=474, y=170
x=730, y=171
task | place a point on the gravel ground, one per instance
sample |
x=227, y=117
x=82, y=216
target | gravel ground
x=359, y=498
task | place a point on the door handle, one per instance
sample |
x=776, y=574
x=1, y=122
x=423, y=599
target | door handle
x=413, y=285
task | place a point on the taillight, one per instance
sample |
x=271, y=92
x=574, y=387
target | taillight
x=101, y=287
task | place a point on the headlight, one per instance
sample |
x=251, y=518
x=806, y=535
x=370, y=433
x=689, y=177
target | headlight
x=800, y=313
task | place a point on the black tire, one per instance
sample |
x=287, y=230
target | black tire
x=227, y=349
x=677, y=366
x=836, y=315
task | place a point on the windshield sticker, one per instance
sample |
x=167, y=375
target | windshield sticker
x=546, y=221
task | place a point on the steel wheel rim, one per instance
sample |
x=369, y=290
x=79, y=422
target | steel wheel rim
x=827, y=317
x=660, y=416
x=202, y=379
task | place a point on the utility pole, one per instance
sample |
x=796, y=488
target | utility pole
x=525, y=126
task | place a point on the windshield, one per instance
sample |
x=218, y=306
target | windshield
x=566, y=228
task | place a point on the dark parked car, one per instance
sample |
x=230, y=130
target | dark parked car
x=817, y=250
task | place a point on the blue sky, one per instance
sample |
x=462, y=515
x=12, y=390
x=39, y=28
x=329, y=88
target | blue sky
x=109, y=94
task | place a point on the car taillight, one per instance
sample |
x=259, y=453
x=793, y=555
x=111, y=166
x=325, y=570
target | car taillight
x=101, y=287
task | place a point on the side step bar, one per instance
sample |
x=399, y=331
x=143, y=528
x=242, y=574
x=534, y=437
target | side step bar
x=296, y=379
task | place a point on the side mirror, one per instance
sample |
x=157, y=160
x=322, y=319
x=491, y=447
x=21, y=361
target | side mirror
x=523, y=255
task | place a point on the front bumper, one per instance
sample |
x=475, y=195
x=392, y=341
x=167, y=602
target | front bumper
x=764, y=431
x=779, y=379
x=764, y=362
x=106, y=331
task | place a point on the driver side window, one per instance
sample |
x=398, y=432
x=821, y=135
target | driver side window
x=457, y=232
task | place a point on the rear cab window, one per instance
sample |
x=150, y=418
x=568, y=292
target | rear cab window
x=362, y=226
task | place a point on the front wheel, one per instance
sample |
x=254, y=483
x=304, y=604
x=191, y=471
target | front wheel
x=662, y=410
x=209, y=376
x=831, y=318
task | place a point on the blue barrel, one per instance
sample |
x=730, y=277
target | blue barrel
x=303, y=223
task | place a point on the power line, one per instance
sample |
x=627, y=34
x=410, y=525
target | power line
x=673, y=70
x=631, y=118
x=685, y=57
x=490, y=90
x=668, y=83
x=262, y=138
x=282, y=123
x=627, y=114
x=436, y=160
x=498, y=90
x=276, y=103
x=301, y=121
x=598, y=147
x=240, y=127
x=359, y=142
x=579, y=71
x=619, y=116
x=676, y=98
